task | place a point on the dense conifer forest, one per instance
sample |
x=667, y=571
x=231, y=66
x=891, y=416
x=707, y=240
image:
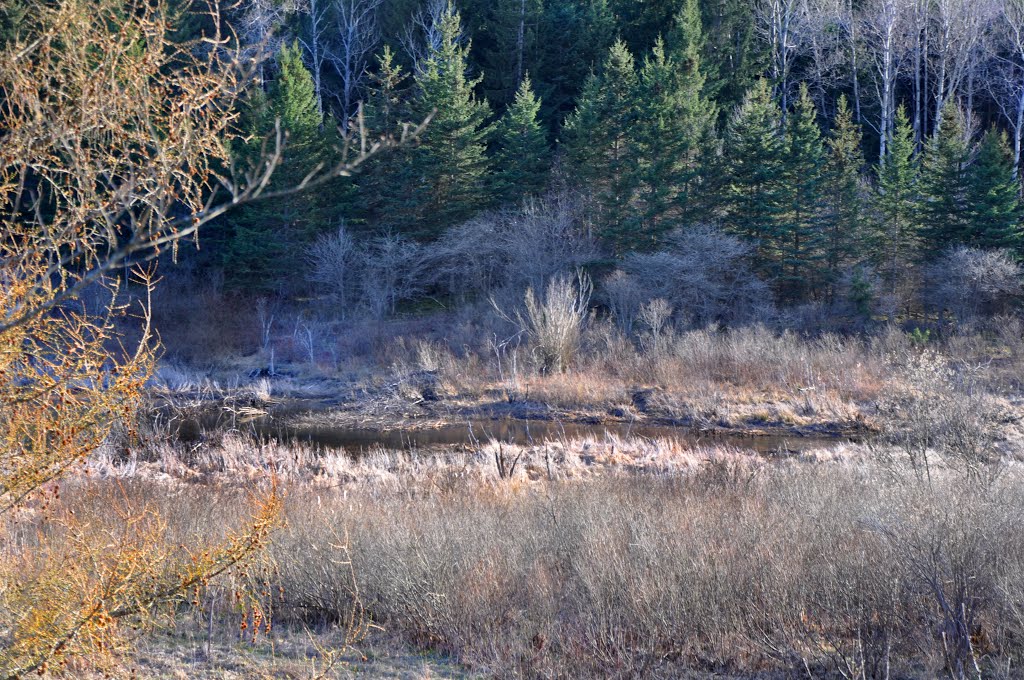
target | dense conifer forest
x=847, y=145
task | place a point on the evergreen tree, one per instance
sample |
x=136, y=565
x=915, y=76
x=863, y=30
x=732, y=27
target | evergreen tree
x=897, y=238
x=599, y=144
x=450, y=163
x=733, y=56
x=944, y=185
x=673, y=135
x=685, y=40
x=507, y=45
x=993, y=201
x=844, y=216
x=388, y=189
x=642, y=24
x=573, y=38
x=522, y=161
x=754, y=158
x=12, y=19
x=267, y=236
x=799, y=234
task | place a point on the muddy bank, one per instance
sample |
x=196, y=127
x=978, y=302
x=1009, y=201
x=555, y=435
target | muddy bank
x=417, y=411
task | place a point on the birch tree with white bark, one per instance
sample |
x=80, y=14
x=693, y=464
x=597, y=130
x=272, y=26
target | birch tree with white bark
x=884, y=29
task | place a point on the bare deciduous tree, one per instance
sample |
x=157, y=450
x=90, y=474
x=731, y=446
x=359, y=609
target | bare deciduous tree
x=422, y=35
x=357, y=36
x=334, y=266
x=114, y=142
x=257, y=21
x=317, y=49
x=395, y=268
x=884, y=30
x=1006, y=75
x=779, y=24
x=957, y=34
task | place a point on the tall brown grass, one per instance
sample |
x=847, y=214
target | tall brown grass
x=624, y=558
x=839, y=570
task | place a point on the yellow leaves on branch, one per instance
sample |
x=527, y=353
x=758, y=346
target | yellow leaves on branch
x=111, y=140
x=85, y=576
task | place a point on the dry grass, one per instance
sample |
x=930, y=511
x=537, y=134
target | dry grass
x=804, y=569
x=612, y=557
x=643, y=559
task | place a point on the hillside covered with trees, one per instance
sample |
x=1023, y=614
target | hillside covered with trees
x=848, y=146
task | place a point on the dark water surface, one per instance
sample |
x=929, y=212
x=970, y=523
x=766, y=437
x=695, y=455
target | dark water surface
x=523, y=432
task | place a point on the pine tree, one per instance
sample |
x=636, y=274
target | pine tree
x=844, y=216
x=267, y=237
x=799, y=235
x=755, y=192
x=944, y=185
x=992, y=201
x=451, y=161
x=673, y=135
x=522, y=161
x=598, y=141
x=897, y=234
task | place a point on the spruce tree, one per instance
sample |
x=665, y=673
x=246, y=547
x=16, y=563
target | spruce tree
x=685, y=39
x=755, y=185
x=388, y=189
x=12, y=19
x=993, y=202
x=673, y=135
x=799, y=235
x=896, y=239
x=573, y=38
x=450, y=163
x=943, y=203
x=844, y=216
x=599, y=141
x=734, y=58
x=642, y=24
x=522, y=160
x=268, y=236
x=507, y=41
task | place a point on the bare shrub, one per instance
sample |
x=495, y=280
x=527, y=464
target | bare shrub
x=703, y=275
x=655, y=316
x=624, y=297
x=554, y=323
x=968, y=283
x=930, y=410
x=545, y=239
x=803, y=570
x=394, y=269
x=516, y=249
x=333, y=261
x=468, y=258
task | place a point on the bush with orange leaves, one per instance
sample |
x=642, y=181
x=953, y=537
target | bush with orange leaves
x=114, y=145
